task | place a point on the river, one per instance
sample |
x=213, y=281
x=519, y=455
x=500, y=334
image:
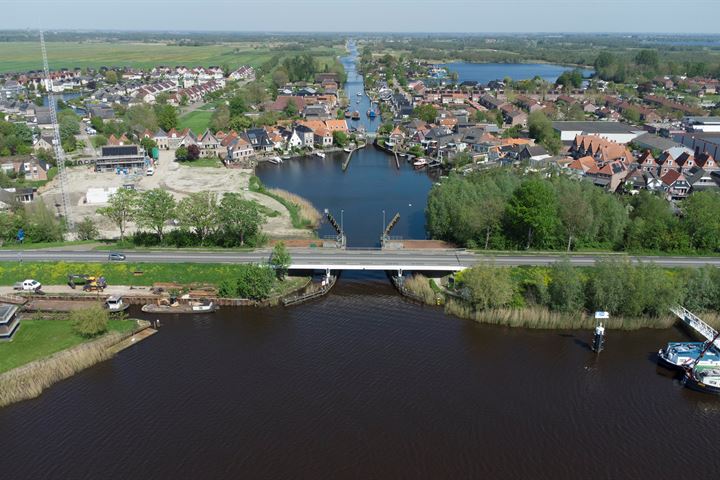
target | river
x=364, y=384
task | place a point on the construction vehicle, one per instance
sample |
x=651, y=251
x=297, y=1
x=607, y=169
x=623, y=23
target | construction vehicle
x=95, y=284
x=75, y=279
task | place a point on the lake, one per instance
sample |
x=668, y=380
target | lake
x=486, y=72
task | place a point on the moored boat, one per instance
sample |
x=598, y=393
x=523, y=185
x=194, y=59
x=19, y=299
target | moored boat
x=677, y=355
x=115, y=304
x=371, y=113
x=347, y=150
x=348, y=114
x=703, y=379
x=356, y=115
x=202, y=306
x=319, y=154
x=276, y=160
x=420, y=163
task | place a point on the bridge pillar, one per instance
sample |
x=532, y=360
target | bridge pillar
x=400, y=273
x=327, y=274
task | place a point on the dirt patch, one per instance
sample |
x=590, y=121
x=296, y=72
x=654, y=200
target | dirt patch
x=427, y=244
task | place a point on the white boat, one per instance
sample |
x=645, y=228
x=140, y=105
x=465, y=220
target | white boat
x=420, y=163
x=319, y=154
x=115, y=304
x=276, y=160
x=347, y=150
x=359, y=94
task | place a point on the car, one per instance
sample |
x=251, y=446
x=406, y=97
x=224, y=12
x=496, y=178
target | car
x=150, y=171
x=116, y=257
x=28, y=285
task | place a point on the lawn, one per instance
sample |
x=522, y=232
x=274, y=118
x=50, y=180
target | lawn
x=39, y=338
x=24, y=56
x=197, y=121
x=118, y=273
x=209, y=162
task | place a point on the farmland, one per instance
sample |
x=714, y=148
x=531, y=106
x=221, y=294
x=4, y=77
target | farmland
x=24, y=56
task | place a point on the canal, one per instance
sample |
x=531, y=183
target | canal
x=364, y=384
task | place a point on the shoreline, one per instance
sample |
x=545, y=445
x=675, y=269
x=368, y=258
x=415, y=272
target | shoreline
x=31, y=379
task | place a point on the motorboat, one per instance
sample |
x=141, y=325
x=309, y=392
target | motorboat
x=116, y=304
x=678, y=355
x=420, y=163
x=703, y=379
x=347, y=150
x=319, y=154
x=276, y=160
x=348, y=114
x=193, y=306
x=359, y=94
x=356, y=115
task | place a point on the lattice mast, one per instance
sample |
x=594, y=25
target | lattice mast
x=57, y=144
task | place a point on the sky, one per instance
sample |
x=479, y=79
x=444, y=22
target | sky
x=412, y=16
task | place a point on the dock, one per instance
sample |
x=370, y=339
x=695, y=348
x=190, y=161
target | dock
x=696, y=324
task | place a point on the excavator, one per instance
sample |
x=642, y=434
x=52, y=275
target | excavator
x=90, y=283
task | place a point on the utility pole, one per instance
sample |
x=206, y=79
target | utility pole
x=57, y=144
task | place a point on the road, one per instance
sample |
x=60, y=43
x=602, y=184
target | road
x=345, y=259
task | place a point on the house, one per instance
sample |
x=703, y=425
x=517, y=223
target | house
x=239, y=150
x=103, y=112
x=281, y=103
x=323, y=137
x=45, y=142
x=292, y=138
x=9, y=321
x=121, y=157
x=209, y=145
x=306, y=134
x=245, y=72
x=259, y=139
x=533, y=153
x=701, y=180
x=161, y=139
x=675, y=185
x=397, y=136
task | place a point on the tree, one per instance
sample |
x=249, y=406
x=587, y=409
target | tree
x=631, y=114
x=156, y=207
x=255, y=282
x=220, y=118
x=97, y=124
x=90, y=321
x=566, y=287
x=291, y=109
x=237, y=106
x=41, y=225
x=575, y=211
x=280, y=77
x=111, y=76
x=238, y=216
x=280, y=260
x=199, y=211
x=426, y=113
x=181, y=154
x=241, y=122
x=99, y=141
x=86, y=229
x=648, y=58
x=141, y=117
x=340, y=138
x=533, y=210
x=701, y=218
x=148, y=144
x=193, y=152
x=489, y=287
x=120, y=209
x=166, y=117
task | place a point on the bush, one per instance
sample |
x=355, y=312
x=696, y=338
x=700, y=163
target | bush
x=91, y=321
x=255, y=282
x=86, y=230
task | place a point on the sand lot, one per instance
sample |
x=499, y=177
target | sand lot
x=177, y=179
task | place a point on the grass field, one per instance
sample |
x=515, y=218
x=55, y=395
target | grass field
x=40, y=338
x=212, y=162
x=24, y=56
x=197, y=121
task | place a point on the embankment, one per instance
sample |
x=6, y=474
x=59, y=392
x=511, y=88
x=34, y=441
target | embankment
x=29, y=380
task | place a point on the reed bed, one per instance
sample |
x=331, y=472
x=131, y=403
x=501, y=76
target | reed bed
x=30, y=380
x=544, y=318
x=304, y=215
x=419, y=285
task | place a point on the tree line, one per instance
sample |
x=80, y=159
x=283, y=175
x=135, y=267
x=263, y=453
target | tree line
x=500, y=209
x=201, y=218
x=617, y=286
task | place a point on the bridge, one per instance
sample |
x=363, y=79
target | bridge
x=696, y=324
x=445, y=260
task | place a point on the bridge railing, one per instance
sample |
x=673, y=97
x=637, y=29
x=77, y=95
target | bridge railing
x=695, y=323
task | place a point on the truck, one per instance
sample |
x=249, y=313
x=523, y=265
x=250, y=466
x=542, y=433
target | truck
x=28, y=285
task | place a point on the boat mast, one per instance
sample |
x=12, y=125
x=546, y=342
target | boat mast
x=708, y=345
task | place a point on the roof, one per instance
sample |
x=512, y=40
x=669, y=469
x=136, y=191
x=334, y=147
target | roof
x=595, y=127
x=649, y=140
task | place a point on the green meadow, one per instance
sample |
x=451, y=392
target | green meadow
x=24, y=56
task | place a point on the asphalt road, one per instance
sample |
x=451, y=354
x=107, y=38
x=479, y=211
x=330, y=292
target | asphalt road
x=347, y=259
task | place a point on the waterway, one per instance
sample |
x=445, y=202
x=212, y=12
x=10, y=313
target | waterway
x=372, y=182
x=364, y=384
x=486, y=72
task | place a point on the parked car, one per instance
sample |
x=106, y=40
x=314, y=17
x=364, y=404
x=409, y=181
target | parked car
x=116, y=257
x=28, y=285
x=150, y=171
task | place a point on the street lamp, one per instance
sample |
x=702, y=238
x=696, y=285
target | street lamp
x=384, y=224
x=342, y=222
